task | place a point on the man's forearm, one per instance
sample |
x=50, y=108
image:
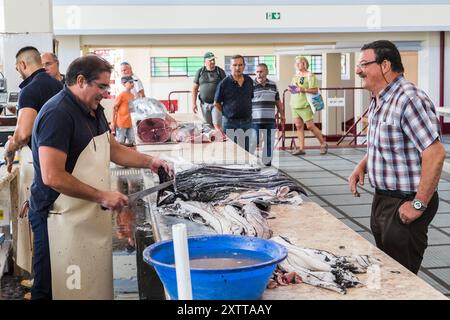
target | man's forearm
x=432, y=163
x=65, y=183
x=194, y=96
x=363, y=163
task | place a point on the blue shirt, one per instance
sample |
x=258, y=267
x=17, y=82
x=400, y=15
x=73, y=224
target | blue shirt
x=67, y=125
x=36, y=90
x=236, y=100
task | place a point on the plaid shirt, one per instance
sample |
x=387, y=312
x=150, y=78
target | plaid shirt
x=400, y=129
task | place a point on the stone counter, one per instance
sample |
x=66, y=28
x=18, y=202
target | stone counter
x=307, y=225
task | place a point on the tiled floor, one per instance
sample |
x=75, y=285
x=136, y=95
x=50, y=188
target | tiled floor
x=325, y=180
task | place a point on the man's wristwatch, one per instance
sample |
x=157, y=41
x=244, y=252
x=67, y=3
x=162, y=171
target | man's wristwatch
x=418, y=205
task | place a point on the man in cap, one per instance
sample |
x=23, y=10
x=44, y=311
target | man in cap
x=205, y=83
x=127, y=71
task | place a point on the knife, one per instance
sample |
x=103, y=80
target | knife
x=139, y=195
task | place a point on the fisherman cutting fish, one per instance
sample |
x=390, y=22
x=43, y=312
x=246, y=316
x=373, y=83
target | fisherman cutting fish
x=72, y=150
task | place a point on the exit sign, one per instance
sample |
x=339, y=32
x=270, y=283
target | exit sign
x=273, y=16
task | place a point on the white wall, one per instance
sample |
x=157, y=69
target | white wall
x=23, y=23
x=189, y=19
x=429, y=67
x=21, y=16
x=68, y=50
x=447, y=69
x=13, y=43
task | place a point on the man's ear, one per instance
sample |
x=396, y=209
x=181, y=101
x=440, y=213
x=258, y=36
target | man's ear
x=81, y=80
x=386, y=66
x=22, y=64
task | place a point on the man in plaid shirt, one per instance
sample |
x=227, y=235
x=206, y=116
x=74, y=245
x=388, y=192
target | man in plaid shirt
x=404, y=156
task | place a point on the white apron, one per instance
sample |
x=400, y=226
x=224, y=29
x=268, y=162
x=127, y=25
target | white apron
x=24, y=233
x=80, y=234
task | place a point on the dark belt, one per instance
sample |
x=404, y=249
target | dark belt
x=396, y=194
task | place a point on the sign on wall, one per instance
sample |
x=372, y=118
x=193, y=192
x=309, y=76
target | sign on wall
x=273, y=16
x=336, y=102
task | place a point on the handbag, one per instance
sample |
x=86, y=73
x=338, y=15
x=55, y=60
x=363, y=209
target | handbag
x=315, y=100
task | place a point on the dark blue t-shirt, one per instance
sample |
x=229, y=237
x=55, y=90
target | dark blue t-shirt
x=236, y=101
x=36, y=90
x=67, y=125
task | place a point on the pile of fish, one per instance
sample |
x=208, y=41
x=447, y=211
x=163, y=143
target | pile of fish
x=234, y=218
x=322, y=268
x=214, y=183
x=279, y=195
x=193, y=133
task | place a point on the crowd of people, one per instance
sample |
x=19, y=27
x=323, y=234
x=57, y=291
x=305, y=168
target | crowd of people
x=62, y=127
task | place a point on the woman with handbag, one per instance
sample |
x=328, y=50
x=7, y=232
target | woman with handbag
x=304, y=82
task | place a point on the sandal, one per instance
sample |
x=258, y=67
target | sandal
x=298, y=152
x=324, y=149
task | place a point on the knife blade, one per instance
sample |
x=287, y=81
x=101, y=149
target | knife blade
x=140, y=194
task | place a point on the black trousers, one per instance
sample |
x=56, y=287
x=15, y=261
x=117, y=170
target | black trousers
x=406, y=243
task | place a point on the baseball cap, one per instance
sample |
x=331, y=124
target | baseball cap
x=209, y=56
x=126, y=79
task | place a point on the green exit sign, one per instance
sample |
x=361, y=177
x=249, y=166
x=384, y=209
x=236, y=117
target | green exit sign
x=273, y=16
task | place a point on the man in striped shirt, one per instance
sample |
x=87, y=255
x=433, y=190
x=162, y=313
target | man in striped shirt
x=404, y=156
x=265, y=99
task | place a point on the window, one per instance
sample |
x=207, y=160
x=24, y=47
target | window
x=315, y=63
x=345, y=66
x=175, y=66
x=251, y=62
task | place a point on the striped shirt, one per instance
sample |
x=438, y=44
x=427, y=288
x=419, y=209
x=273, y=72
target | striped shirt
x=401, y=127
x=263, y=102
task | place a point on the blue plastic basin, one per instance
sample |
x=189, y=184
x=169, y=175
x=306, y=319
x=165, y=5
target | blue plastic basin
x=233, y=283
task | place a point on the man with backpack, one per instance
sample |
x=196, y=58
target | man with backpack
x=205, y=83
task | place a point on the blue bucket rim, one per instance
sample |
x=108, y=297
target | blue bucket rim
x=147, y=253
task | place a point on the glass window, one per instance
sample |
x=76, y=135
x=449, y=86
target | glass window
x=175, y=66
x=193, y=64
x=160, y=67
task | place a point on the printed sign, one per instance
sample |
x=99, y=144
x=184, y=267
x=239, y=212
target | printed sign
x=273, y=16
x=336, y=102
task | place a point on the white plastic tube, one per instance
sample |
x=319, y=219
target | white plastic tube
x=180, y=246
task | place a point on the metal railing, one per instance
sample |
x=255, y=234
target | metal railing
x=281, y=125
x=171, y=109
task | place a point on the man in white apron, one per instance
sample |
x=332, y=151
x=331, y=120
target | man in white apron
x=72, y=150
x=35, y=90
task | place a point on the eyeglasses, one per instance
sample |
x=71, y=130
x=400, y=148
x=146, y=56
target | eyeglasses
x=365, y=64
x=102, y=87
x=302, y=80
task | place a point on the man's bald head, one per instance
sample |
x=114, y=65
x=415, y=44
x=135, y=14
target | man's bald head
x=50, y=63
x=28, y=60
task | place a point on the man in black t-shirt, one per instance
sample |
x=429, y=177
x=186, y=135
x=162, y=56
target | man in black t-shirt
x=37, y=87
x=205, y=83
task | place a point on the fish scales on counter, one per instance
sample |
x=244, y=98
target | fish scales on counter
x=214, y=183
x=324, y=269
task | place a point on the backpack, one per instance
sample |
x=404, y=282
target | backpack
x=203, y=70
